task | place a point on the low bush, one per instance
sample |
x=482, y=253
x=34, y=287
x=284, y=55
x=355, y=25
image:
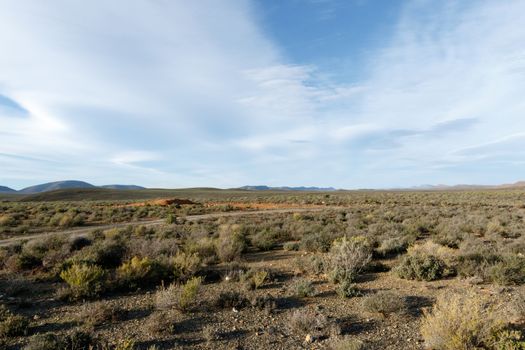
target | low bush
x=231, y=299
x=346, y=343
x=264, y=240
x=181, y=297
x=185, y=265
x=461, y=322
x=13, y=325
x=99, y=313
x=509, y=271
x=75, y=340
x=347, y=258
x=392, y=246
x=85, y=281
x=231, y=243
x=266, y=303
x=107, y=254
x=319, y=242
x=420, y=267
x=383, y=302
x=347, y=289
x=312, y=323
x=160, y=323
x=141, y=272
x=301, y=288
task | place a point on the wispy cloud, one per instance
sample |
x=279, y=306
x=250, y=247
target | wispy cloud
x=187, y=93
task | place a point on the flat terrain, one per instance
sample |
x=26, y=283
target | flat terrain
x=264, y=270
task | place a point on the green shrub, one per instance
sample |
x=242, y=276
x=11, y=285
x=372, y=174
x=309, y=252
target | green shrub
x=84, y=280
x=75, y=341
x=347, y=289
x=13, y=325
x=135, y=272
x=420, y=267
x=231, y=244
x=185, y=265
x=319, y=242
x=509, y=271
x=264, y=240
x=107, y=254
x=302, y=288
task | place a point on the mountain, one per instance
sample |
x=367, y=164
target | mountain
x=4, y=189
x=285, y=188
x=59, y=185
x=123, y=187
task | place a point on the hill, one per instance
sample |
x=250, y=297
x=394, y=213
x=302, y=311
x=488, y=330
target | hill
x=285, y=188
x=123, y=187
x=52, y=186
x=4, y=189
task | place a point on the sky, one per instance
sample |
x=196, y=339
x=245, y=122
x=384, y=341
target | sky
x=343, y=93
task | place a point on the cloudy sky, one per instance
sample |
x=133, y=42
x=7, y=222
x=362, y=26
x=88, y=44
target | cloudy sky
x=343, y=93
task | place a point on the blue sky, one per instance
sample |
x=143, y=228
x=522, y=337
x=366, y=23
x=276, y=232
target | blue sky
x=343, y=93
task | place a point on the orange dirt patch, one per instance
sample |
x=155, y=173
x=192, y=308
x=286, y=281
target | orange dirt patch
x=160, y=202
x=261, y=206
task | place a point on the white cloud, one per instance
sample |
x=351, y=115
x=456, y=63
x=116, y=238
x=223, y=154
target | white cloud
x=199, y=93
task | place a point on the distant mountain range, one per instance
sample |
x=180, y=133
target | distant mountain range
x=4, y=189
x=466, y=187
x=285, y=188
x=60, y=185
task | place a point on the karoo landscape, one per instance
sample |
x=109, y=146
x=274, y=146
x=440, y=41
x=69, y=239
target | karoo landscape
x=262, y=175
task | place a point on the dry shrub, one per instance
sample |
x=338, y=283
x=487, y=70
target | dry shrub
x=12, y=325
x=160, y=323
x=384, y=303
x=430, y=248
x=231, y=299
x=99, y=313
x=181, y=297
x=468, y=321
x=420, y=267
x=348, y=257
x=301, y=288
x=346, y=343
x=231, y=243
x=186, y=265
x=315, y=324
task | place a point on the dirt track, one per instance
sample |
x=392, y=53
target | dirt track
x=85, y=230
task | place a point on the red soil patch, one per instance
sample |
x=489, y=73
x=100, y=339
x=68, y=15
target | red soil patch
x=160, y=202
x=261, y=206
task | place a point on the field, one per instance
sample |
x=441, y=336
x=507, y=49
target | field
x=230, y=269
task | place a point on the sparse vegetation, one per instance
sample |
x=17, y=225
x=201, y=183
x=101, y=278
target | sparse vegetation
x=262, y=269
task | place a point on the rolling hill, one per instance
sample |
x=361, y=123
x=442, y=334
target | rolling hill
x=58, y=185
x=123, y=187
x=4, y=189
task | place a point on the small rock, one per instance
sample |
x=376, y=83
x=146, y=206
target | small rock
x=309, y=338
x=36, y=317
